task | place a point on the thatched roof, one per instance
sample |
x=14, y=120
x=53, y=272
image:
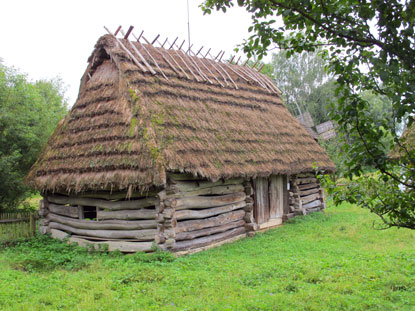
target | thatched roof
x=406, y=144
x=128, y=127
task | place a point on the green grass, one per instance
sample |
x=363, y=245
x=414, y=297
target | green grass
x=331, y=261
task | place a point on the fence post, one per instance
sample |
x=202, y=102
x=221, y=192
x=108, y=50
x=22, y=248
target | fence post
x=32, y=224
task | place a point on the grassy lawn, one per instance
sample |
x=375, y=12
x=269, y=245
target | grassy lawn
x=331, y=261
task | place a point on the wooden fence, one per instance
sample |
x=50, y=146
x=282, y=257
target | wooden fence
x=17, y=225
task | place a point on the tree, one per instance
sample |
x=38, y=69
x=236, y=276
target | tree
x=304, y=82
x=368, y=46
x=28, y=114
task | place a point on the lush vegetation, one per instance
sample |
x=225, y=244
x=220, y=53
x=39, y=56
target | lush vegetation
x=29, y=112
x=369, y=46
x=331, y=261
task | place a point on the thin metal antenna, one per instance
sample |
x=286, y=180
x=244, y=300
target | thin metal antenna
x=188, y=24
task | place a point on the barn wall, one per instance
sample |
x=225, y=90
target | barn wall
x=198, y=213
x=305, y=195
x=127, y=225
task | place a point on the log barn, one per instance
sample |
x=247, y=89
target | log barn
x=176, y=149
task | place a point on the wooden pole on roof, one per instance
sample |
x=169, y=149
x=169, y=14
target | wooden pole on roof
x=189, y=49
x=128, y=32
x=161, y=51
x=235, y=72
x=206, y=67
x=260, y=68
x=230, y=62
x=139, y=37
x=152, y=58
x=258, y=78
x=218, y=54
x=155, y=39
x=224, y=70
x=197, y=79
x=220, y=58
x=164, y=43
x=141, y=56
x=215, y=65
x=173, y=43
x=117, y=31
x=127, y=51
x=195, y=66
x=255, y=63
x=182, y=44
x=199, y=51
x=207, y=53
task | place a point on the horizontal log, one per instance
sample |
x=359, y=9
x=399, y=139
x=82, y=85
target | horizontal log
x=310, y=198
x=127, y=214
x=306, y=175
x=226, y=189
x=205, y=213
x=111, y=205
x=308, y=186
x=205, y=202
x=310, y=191
x=184, y=186
x=191, y=225
x=127, y=247
x=199, y=242
x=305, y=180
x=312, y=204
x=69, y=211
x=107, y=195
x=140, y=235
x=103, y=224
x=208, y=231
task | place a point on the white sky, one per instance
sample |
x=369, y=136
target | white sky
x=49, y=38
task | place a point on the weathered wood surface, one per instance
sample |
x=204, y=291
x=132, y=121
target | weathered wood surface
x=286, y=208
x=310, y=198
x=104, y=224
x=127, y=214
x=209, y=212
x=205, y=202
x=276, y=199
x=69, y=211
x=127, y=247
x=305, y=180
x=111, y=205
x=226, y=189
x=192, y=225
x=140, y=235
x=308, y=186
x=311, y=191
x=184, y=186
x=208, y=231
x=199, y=242
x=312, y=204
x=107, y=195
x=261, y=207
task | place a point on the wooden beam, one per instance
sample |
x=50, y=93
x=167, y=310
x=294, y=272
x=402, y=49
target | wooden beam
x=141, y=235
x=173, y=43
x=103, y=224
x=117, y=31
x=200, y=202
x=209, y=231
x=127, y=214
x=69, y=211
x=128, y=32
x=155, y=39
x=111, y=205
x=139, y=37
x=209, y=212
x=197, y=224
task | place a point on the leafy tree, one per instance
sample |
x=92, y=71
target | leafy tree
x=304, y=82
x=29, y=111
x=369, y=46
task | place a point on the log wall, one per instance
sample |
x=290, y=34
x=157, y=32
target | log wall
x=125, y=224
x=196, y=213
x=305, y=195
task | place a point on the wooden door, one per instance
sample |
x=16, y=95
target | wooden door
x=269, y=198
x=261, y=196
x=276, y=196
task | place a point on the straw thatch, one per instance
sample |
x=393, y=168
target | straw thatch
x=406, y=144
x=128, y=128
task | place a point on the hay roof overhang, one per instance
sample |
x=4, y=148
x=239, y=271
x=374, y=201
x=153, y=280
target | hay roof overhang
x=128, y=127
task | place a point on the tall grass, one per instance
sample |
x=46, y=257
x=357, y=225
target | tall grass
x=330, y=261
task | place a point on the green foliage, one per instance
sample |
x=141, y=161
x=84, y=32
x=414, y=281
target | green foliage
x=324, y=261
x=369, y=46
x=43, y=254
x=29, y=111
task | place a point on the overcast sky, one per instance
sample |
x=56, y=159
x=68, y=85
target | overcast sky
x=49, y=38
